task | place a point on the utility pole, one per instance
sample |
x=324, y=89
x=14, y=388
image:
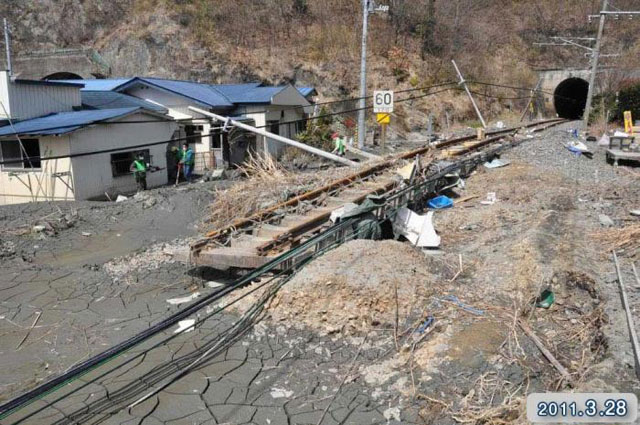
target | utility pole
x=473, y=102
x=7, y=46
x=594, y=64
x=362, y=127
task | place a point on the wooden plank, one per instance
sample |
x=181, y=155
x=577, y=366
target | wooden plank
x=630, y=323
x=545, y=352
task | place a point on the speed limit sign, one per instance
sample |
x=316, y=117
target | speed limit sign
x=382, y=101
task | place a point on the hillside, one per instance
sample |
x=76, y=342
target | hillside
x=311, y=42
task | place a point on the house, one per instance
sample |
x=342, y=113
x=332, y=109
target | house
x=279, y=109
x=88, y=131
x=47, y=120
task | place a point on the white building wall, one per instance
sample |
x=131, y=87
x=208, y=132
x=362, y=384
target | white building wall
x=274, y=113
x=14, y=184
x=260, y=118
x=24, y=101
x=93, y=174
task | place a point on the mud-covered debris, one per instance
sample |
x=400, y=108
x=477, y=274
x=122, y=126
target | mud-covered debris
x=7, y=249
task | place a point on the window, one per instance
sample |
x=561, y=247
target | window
x=274, y=127
x=29, y=158
x=194, y=133
x=301, y=126
x=121, y=161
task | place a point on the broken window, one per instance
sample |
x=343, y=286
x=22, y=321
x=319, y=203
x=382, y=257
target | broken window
x=25, y=157
x=121, y=161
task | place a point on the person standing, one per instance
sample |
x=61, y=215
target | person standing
x=339, y=144
x=139, y=168
x=187, y=159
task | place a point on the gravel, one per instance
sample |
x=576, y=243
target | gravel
x=549, y=153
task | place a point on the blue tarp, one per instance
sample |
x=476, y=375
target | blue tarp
x=440, y=202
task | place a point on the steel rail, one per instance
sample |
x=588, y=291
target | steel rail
x=270, y=212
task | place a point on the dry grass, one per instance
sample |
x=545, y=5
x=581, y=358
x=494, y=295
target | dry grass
x=625, y=238
x=263, y=168
x=267, y=184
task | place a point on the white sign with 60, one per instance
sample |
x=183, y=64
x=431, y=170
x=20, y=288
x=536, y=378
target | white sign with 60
x=382, y=101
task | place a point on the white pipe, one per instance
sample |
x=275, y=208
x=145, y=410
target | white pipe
x=273, y=136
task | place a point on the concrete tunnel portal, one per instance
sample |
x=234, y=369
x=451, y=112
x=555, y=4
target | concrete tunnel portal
x=570, y=98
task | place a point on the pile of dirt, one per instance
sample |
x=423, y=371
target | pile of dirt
x=361, y=285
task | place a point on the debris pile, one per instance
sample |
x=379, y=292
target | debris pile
x=7, y=248
x=358, y=286
x=151, y=259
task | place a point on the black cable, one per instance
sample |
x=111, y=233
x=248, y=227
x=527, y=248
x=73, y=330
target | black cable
x=89, y=364
x=525, y=89
x=353, y=99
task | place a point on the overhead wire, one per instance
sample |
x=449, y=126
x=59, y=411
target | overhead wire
x=188, y=138
x=306, y=119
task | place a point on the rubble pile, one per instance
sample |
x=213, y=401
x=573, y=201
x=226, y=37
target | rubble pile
x=353, y=288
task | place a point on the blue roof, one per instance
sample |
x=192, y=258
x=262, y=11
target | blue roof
x=99, y=85
x=307, y=91
x=248, y=93
x=64, y=122
x=112, y=100
x=213, y=95
x=200, y=92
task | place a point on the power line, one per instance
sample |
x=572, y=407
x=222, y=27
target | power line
x=317, y=117
x=179, y=120
x=189, y=138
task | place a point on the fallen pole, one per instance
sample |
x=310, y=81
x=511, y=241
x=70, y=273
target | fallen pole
x=632, y=328
x=274, y=136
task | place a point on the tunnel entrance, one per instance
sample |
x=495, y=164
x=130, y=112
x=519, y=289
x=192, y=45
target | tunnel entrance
x=62, y=76
x=570, y=98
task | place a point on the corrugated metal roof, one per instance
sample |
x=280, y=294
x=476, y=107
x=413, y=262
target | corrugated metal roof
x=249, y=93
x=64, y=122
x=203, y=93
x=112, y=100
x=213, y=95
x=99, y=85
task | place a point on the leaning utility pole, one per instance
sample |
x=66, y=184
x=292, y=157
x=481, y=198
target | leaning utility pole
x=7, y=46
x=594, y=64
x=362, y=127
x=466, y=88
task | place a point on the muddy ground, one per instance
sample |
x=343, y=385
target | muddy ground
x=336, y=344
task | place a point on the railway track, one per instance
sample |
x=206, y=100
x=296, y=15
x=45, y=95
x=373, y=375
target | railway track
x=253, y=241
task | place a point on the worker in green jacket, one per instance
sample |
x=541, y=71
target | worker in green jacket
x=339, y=144
x=187, y=159
x=139, y=169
